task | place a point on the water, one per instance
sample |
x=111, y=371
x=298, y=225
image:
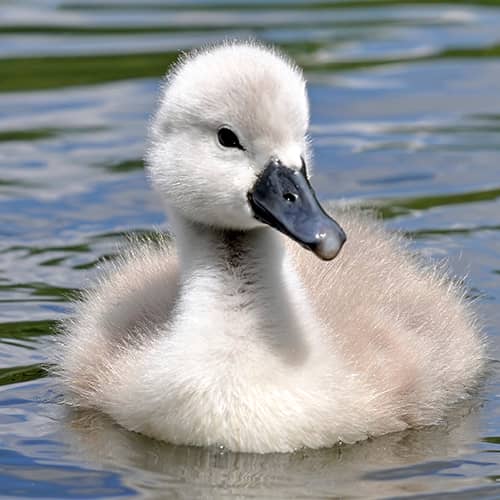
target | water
x=406, y=114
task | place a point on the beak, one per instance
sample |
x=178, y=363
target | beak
x=284, y=199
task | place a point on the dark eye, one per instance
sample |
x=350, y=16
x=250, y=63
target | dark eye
x=228, y=139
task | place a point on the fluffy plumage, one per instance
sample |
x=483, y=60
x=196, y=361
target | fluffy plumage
x=236, y=335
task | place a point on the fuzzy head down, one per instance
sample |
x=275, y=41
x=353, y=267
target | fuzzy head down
x=253, y=91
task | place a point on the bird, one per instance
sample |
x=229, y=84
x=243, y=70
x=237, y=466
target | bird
x=269, y=322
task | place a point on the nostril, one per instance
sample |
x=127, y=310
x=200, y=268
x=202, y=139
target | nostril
x=290, y=197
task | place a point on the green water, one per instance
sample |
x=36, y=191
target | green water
x=405, y=102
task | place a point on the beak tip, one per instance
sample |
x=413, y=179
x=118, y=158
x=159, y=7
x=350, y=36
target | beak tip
x=329, y=245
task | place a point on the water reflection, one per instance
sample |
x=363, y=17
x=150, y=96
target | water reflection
x=190, y=471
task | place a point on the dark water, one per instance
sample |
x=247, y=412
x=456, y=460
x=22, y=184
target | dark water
x=405, y=113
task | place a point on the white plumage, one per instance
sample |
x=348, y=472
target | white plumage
x=236, y=335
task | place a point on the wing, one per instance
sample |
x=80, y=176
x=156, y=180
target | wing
x=133, y=297
x=396, y=319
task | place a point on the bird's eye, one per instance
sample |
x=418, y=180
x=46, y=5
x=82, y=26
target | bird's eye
x=228, y=139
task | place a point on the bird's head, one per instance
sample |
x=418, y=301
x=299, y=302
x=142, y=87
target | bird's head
x=229, y=145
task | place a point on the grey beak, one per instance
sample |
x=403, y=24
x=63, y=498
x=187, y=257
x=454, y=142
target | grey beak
x=284, y=199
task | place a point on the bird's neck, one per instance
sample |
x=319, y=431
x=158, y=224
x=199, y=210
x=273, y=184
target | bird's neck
x=240, y=283
x=229, y=261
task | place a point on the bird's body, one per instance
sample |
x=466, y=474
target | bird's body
x=237, y=336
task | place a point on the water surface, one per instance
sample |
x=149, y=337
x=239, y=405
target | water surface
x=405, y=104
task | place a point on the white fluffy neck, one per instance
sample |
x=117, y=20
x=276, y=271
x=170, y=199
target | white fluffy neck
x=202, y=249
x=240, y=280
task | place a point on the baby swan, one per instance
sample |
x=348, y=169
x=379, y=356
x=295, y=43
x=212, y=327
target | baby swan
x=237, y=336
